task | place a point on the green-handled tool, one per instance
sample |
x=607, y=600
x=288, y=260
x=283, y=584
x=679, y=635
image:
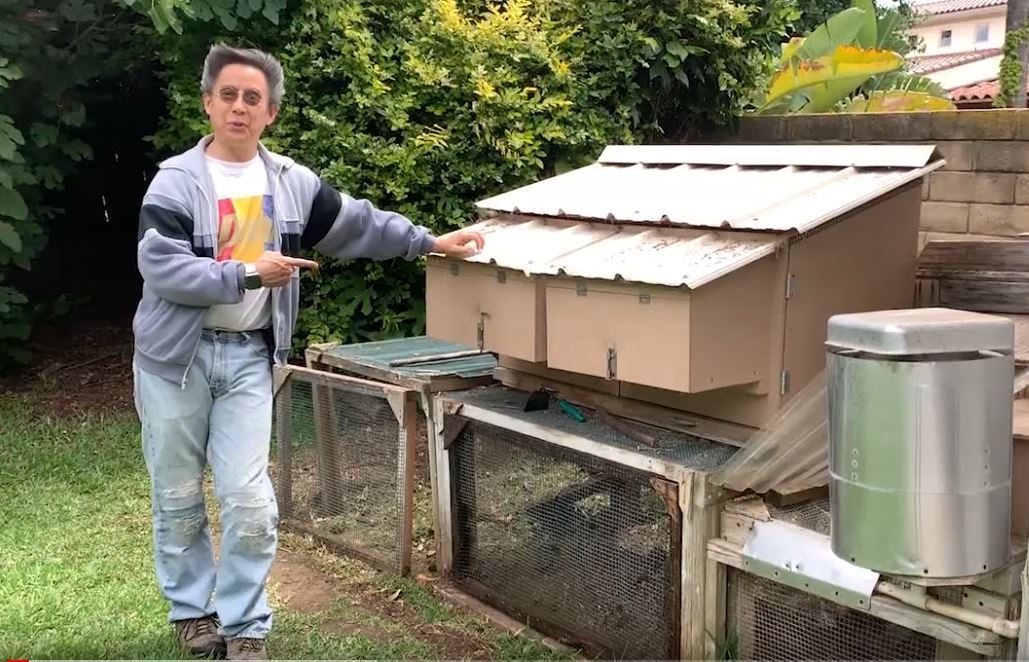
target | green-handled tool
x=571, y=410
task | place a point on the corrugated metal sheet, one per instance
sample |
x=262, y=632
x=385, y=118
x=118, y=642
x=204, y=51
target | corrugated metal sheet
x=768, y=188
x=378, y=355
x=658, y=256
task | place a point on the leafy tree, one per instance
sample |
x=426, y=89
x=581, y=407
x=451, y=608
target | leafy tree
x=851, y=63
x=52, y=53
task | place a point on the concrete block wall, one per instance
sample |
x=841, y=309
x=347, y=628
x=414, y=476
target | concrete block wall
x=984, y=188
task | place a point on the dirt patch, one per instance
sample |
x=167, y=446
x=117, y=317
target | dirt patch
x=451, y=643
x=354, y=626
x=300, y=587
x=78, y=366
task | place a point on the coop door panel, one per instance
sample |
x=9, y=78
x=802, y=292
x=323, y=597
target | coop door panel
x=575, y=546
x=344, y=468
x=770, y=621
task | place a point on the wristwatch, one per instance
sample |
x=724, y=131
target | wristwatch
x=252, y=279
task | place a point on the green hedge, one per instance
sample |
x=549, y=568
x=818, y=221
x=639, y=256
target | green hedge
x=426, y=106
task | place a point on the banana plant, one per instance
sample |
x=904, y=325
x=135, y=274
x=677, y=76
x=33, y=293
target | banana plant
x=847, y=57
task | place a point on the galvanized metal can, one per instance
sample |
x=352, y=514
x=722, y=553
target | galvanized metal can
x=920, y=450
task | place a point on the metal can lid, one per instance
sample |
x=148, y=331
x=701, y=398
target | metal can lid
x=921, y=331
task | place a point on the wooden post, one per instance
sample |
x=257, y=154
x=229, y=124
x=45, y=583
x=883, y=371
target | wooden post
x=442, y=494
x=1023, y=630
x=700, y=523
x=283, y=415
x=407, y=451
x=324, y=413
x=714, y=609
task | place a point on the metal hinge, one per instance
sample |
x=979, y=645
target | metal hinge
x=791, y=286
x=454, y=269
x=644, y=298
x=501, y=276
x=580, y=289
x=480, y=333
x=784, y=382
x=612, y=363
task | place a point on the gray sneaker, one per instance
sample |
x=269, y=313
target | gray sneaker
x=246, y=648
x=200, y=636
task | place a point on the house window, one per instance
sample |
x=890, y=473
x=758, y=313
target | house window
x=945, y=36
x=982, y=33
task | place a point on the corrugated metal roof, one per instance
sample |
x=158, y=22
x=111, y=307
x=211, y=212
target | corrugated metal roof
x=773, y=188
x=952, y=6
x=928, y=64
x=378, y=354
x=657, y=256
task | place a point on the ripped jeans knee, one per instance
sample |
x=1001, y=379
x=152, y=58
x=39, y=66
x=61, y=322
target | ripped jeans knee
x=251, y=515
x=182, y=511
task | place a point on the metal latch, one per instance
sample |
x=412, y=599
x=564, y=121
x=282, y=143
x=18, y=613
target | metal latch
x=580, y=289
x=501, y=276
x=644, y=298
x=454, y=269
x=612, y=363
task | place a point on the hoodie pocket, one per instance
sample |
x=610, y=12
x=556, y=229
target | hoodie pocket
x=166, y=331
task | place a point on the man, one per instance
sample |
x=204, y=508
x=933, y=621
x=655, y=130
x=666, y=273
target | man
x=219, y=230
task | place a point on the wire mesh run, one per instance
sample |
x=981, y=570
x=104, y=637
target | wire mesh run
x=584, y=550
x=769, y=621
x=342, y=473
x=813, y=515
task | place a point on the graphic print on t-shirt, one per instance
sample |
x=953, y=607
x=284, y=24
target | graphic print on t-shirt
x=244, y=227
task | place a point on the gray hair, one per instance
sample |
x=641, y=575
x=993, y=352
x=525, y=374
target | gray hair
x=222, y=55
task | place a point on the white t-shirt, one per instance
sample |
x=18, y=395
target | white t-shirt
x=245, y=212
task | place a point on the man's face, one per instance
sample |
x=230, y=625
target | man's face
x=239, y=107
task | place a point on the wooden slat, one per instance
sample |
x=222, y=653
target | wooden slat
x=988, y=296
x=973, y=255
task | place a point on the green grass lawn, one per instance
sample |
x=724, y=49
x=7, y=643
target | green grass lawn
x=76, y=577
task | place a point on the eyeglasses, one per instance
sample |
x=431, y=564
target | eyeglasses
x=230, y=94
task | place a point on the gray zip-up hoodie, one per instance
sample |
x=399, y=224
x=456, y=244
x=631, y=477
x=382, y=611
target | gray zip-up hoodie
x=176, y=247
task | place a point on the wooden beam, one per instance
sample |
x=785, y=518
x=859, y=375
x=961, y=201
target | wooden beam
x=974, y=255
x=793, y=498
x=406, y=459
x=443, y=496
x=699, y=524
x=988, y=296
x=1023, y=628
x=645, y=462
x=671, y=419
x=714, y=609
x=345, y=382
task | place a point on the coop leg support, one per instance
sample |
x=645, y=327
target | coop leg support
x=1023, y=635
x=921, y=600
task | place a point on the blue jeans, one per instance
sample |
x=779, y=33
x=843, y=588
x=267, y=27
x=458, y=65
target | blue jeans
x=223, y=416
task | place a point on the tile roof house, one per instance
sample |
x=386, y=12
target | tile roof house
x=961, y=47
